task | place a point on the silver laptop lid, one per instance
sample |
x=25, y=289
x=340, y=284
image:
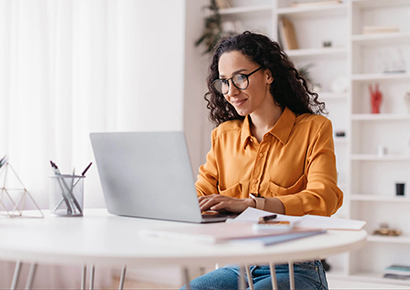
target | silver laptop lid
x=146, y=174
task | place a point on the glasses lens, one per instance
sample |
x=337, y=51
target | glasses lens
x=240, y=81
x=222, y=86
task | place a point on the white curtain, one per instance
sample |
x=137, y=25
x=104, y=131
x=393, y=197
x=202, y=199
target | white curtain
x=71, y=67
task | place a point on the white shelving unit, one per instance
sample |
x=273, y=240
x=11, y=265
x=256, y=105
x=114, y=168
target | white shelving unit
x=368, y=181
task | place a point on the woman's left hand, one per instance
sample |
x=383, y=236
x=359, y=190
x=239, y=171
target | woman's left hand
x=219, y=202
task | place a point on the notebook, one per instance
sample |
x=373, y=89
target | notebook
x=149, y=175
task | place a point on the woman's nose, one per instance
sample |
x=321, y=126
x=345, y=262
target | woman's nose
x=232, y=90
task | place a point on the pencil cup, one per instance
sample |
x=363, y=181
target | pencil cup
x=67, y=195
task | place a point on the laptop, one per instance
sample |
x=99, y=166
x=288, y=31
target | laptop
x=149, y=175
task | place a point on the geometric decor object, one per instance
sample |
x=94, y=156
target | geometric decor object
x=13, y=194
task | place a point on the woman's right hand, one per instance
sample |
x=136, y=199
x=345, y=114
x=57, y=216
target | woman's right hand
x=220, y=202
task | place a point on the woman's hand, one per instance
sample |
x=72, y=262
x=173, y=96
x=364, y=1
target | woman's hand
x=219, y=202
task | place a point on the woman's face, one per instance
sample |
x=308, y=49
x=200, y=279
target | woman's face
x=256, y=97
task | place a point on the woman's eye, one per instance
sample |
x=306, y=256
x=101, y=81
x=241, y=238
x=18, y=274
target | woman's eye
x=240, y=78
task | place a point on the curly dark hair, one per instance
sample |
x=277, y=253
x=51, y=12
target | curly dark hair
x=289, y=88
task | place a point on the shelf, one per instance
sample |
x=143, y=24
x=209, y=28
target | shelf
x=340, y=140
x=332, y=96
x=378, y=3
x=380, y=77
x=318, y=52
x=247, y=9
x=387, y=38
x=380, y=117
x=390, y=240
x=370, y=157
x=329, y=10
x=378, y=198
x=375, y=278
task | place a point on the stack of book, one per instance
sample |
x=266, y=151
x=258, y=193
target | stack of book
x=401, y=272
x=287, y=34
x=380, y=29
x=222, y=4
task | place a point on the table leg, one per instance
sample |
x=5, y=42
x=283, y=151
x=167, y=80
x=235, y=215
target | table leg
x=92, y=272
x=250, y=281
x=241, y=282
x=122, y=279
x=291, y=276
x=185, y=276
x=83, y=277
x=31, y=275
x=273, y=276
x=16, y=275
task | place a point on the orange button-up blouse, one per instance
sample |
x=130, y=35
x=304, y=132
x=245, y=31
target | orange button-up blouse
x=295, y=162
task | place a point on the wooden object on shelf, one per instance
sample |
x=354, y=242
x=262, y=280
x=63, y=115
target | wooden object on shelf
x=282, y=37
x=380, y=29
x=314, y=3
x=223, y=4
x=287, y=34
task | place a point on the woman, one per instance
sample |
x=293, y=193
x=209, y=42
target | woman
x=270, y=150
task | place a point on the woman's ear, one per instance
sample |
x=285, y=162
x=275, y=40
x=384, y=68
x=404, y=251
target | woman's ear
x=269, y=77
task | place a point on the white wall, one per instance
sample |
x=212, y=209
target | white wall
x=196, y=125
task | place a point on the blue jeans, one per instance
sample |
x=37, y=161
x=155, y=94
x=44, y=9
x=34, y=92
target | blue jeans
x=308, y=276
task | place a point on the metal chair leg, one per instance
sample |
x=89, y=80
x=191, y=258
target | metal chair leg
x=185, y=276
x=83, y=277
x=291, y=276
x=31, y=275
x=92, y=272
x=122, y=279
x=273, y=276
x=16, y=275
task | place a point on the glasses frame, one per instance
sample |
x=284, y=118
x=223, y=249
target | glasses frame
x=227, y=81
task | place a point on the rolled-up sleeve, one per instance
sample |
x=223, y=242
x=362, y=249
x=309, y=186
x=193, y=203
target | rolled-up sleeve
x=322, y=195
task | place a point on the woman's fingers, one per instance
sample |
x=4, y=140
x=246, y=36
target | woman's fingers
x=219, y=202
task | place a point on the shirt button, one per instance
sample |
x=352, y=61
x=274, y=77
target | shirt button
x=255, y=181
x=261, y=155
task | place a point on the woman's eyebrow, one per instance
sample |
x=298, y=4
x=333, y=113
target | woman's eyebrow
x=235, y=72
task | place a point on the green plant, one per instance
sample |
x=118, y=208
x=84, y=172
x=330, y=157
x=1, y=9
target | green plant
x=212, y=28
x=305, y=73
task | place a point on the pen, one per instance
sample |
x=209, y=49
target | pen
x=72, y=187
x=267, y=218
x=70, y=196
x=65, y=197
x=3, y=161
x=86, y=169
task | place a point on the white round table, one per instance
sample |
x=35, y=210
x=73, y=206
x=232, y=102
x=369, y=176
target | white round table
x=103, y=239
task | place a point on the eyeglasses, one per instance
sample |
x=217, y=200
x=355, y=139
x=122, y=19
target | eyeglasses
x=240, y=81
